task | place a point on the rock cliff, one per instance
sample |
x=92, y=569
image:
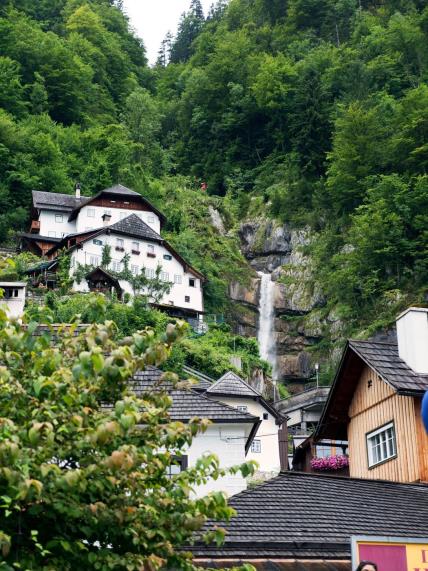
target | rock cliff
x=301, y=322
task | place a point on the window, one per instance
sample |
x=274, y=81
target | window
x=178, y=279
x=242, y=408
x=151, y=251
x=135, y=247
x=91, y=213
x=187, y=298
x=58, y=218
x=381, y=444
x=151, y=219
x=97, y=242
x=178, y=464
x=150, y=273
x=323, y=451
x=107, y=212
x=192, y=282
x=117, y=266
x=265, y=416
x=120, y=244
x=164, y=276
x=94, y=260
x=167, y=257
x=52, y=234
x=256, y=446
x=134, y=270
x=122, y=215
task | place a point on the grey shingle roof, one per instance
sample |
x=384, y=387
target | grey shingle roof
x=306, y=515
x=132, y=225
x=121, y=190
x=232, y=384
x=56, y=200
x=383, y=358
x=186, y=402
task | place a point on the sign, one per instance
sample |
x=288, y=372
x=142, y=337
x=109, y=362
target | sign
x=391, y=553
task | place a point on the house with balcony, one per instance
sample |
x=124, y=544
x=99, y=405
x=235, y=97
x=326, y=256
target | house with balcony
x=375, y=403
x=129, y=227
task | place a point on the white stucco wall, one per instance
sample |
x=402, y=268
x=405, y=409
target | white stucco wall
x=14, y=302
x=55, y=224
x=227, y=441
x=268, y=458
x=90, y=254
x=85, y=222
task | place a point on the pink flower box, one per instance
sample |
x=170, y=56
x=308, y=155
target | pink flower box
x=330, y=463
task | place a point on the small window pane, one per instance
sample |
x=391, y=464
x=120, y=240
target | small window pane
x=256, y=446
x=58, y=218
x=91, y=212
x=381, y=445
x=178, y=279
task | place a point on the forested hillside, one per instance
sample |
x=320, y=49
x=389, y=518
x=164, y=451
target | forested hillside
x=312, y=112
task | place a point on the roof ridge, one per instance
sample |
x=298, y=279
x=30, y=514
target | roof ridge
x=224, y=405
x=118, y=224
x=222, y=379
x=351, y=479
x=373, y=341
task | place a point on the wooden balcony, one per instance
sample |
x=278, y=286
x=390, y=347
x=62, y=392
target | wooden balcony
x=35, y=227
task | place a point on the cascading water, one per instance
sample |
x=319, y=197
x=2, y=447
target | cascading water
x=266, y=332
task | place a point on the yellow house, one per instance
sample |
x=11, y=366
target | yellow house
x=375, y=403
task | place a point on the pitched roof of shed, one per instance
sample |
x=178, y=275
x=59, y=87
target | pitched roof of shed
x=314, y=516
x=187, y=403
x=384, y=359
x=231, y=384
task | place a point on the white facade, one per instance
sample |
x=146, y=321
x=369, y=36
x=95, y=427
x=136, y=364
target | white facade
x=13, y=298
x=186, y=289
x=55, y=224
x=265, y=447
x=412, y=338
x=227, y=441
x=91, y=217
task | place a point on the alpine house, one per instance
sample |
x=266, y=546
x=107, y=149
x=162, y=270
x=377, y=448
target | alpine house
x=125, y=224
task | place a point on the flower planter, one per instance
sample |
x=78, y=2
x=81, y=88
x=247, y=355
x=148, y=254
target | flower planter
x=330, y=463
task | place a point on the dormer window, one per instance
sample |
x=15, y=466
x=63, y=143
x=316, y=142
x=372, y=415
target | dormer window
x=91, y=213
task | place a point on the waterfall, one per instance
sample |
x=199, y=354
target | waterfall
x=266, y=332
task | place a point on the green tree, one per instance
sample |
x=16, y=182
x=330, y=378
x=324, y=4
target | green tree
x=74, y=474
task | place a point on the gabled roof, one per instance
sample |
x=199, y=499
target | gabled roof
x=383, y=358
x=56, y=200
x=187, y=403
x=204, y=381
x=231, y=384
x=117, y=190
x=305, y=516
x=133, y=226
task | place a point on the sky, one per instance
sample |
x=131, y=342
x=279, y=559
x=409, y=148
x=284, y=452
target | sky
x=152, y=19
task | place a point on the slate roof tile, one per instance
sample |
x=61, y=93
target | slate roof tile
x=56, y=200
x=300, y=515
x=384, y=359
x=186, y=402
x=232, y=384
x=132, y=225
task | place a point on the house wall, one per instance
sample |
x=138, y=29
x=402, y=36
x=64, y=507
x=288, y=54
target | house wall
x=227, y=441
x=268, y=459
x=90, y=254
x=50, y=227
x=13, y=305
x=85, y=222
x=371, y=408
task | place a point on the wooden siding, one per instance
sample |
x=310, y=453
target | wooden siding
x=130, y=204
x=372, y=407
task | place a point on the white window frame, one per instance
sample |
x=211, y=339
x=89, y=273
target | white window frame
x=150, y=248
x=94, y=260
x=164, y=276
x=381, y=444
x=150, y=273
x=116, y=266
x=122, y=215
x=256, y=446
x=59, y=218
x=178, y=279
x=151, y=219
x=91, y=213
x=120, y=243
x=242, y=408
x=135, y=270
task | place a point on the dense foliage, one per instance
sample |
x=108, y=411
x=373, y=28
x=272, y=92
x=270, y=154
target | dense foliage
x=73, y=441
x=310, y=111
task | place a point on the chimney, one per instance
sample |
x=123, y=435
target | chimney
x=77, y=187
x=412, y=337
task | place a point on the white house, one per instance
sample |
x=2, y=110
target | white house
x=13, y=298
x=229, y=436
x=130, y=226
x=233, y=391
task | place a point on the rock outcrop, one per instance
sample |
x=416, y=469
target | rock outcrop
x=300, y=322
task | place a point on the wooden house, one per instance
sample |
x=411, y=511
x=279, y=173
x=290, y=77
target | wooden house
x=375, y=403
